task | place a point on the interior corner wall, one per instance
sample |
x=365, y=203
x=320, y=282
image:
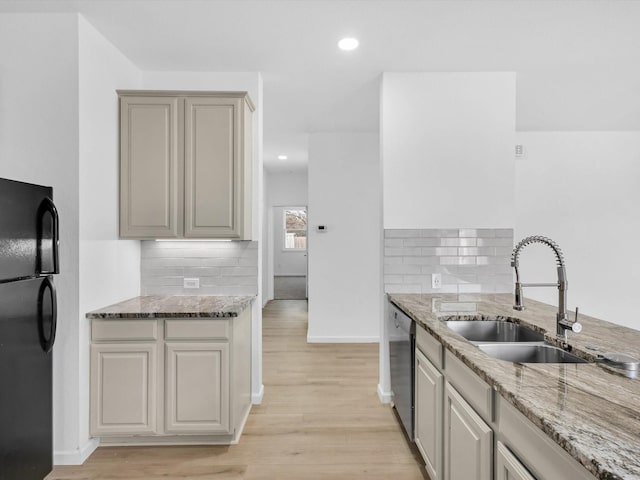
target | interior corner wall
x=39, y=144
x=345, y=285
x=252, y=83
x=109, y=267
x=447, y=149
x=582, y=189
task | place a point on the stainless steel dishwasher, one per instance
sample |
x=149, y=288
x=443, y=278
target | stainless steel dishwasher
x=402, y=344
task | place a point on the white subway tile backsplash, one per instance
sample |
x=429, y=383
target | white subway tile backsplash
x=401, y=233
x=450, y=242
x=423, y=260
x=403, y=288
x=467, y=242
x=401, y=269
x=467, y=232
x=224, y=268
x=471, y=261
x=393, y=279
x=421, y=242
x=467, y=251
x=486, y=233
x=393, y=242
x=394, y=260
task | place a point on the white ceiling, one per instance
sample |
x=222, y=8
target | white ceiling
x=577, y=62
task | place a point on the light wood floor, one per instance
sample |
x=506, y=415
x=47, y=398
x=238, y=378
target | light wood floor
x=320, y=420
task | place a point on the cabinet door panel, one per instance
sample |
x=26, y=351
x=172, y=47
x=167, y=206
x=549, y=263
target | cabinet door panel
x=212, y=167
x=428, y=414
x=508, y=467
x=197, y=388
x=468, y=447
x=150, y=168
x=123, y=389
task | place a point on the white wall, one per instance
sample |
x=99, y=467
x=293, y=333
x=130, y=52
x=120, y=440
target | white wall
x=282, y=189
x=232, y=81
x=109, y=267
x=447, y=148
x=345, y=288
x=582, y=189
x=447, y=143
x=39, y=144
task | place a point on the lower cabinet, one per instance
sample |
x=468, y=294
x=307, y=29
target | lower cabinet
x=508, y=467
x=197, y=388
x=428, y=414
x=124, y=388
x=170, y=380
x=468, y=440
x=465, y=431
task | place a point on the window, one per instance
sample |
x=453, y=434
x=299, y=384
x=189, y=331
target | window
x=295, y=228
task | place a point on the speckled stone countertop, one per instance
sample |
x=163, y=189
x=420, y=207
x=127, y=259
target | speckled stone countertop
x=590, y=410
x=175, y=306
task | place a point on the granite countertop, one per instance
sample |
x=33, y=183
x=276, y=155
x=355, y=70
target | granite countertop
x=590, y=410
x=175, y=306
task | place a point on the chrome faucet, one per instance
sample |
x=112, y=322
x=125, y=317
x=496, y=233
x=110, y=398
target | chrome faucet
x=563, y=325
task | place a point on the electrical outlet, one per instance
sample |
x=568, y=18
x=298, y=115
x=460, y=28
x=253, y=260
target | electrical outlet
x=436, y=280
x=191, y=283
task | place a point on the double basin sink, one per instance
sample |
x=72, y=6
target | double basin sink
x=511, y=342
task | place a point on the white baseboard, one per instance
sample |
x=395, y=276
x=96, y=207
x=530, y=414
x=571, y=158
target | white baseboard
x=385, y=397
x=322, y=339
x=256, y=398
x=76, y=457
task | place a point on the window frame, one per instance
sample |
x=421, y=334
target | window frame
x=284, y=228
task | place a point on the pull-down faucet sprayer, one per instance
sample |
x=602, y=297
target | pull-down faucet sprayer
x=562, y=321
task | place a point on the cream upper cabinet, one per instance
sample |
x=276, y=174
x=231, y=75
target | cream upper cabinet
x=186, y=165
x=150, y=167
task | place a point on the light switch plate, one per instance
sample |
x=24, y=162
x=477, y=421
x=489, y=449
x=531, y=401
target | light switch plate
x=191, y=283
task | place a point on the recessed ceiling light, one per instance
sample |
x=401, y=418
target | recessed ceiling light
x=282, y=157
x=348, y=44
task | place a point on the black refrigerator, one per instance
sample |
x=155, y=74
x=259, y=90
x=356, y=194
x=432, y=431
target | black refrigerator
x=28, y=311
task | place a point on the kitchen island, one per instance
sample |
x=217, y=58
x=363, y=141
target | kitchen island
x=169, y=369
x=589, y=410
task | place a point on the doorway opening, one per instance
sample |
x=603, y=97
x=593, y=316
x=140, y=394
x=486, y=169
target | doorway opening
x=290, y=253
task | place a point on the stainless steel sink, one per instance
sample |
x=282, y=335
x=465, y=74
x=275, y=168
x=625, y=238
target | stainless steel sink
x=513, y=352
x=494, y=331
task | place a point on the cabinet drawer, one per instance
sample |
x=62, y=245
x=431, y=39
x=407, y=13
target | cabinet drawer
x=197, y=329
x=541, y=456
x=476, y=391
x=429, y=346
x=114, y=330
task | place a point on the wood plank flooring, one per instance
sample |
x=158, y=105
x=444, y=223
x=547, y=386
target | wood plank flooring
x=320, y=420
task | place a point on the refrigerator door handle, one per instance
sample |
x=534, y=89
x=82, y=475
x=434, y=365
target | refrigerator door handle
x=47, y=342
x=47, y=205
